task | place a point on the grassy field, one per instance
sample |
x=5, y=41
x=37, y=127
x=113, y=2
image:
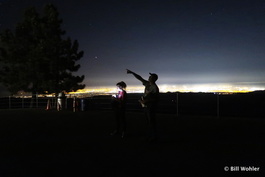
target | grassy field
x=37, y=143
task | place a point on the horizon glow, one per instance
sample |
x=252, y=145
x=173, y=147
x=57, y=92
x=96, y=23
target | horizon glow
x=210, y=87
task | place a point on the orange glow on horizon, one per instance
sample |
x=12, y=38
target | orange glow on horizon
x=207, y=88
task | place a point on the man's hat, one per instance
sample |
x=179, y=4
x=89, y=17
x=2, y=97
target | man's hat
x=155, y=76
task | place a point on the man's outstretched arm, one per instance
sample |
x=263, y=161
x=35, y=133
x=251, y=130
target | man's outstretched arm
x=136, y=76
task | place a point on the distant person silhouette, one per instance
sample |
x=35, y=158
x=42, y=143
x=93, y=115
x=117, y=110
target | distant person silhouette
x=119, y=106
x=149, y=102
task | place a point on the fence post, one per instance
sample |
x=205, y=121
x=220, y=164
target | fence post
x=74, y=104
x=65, y=103
x=37, y=103
x=22, y=102
x=53, y=103
x=177, y=102
x=218, y=106
x=9, y=102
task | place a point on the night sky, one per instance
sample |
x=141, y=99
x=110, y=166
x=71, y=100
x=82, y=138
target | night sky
x=188, y=43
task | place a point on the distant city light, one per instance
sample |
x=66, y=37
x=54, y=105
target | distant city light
x=225, y=88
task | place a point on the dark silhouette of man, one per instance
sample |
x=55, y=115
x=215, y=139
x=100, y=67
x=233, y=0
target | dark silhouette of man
x=149, y=102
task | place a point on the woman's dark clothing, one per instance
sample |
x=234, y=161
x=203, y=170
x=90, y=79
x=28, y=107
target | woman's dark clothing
x=119, y=107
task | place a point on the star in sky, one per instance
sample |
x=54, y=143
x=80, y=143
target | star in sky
x=184, y=42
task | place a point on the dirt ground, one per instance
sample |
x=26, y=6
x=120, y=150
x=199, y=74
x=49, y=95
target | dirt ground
x=36, y=143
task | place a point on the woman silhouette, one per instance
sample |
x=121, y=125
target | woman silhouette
x=119, y=106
